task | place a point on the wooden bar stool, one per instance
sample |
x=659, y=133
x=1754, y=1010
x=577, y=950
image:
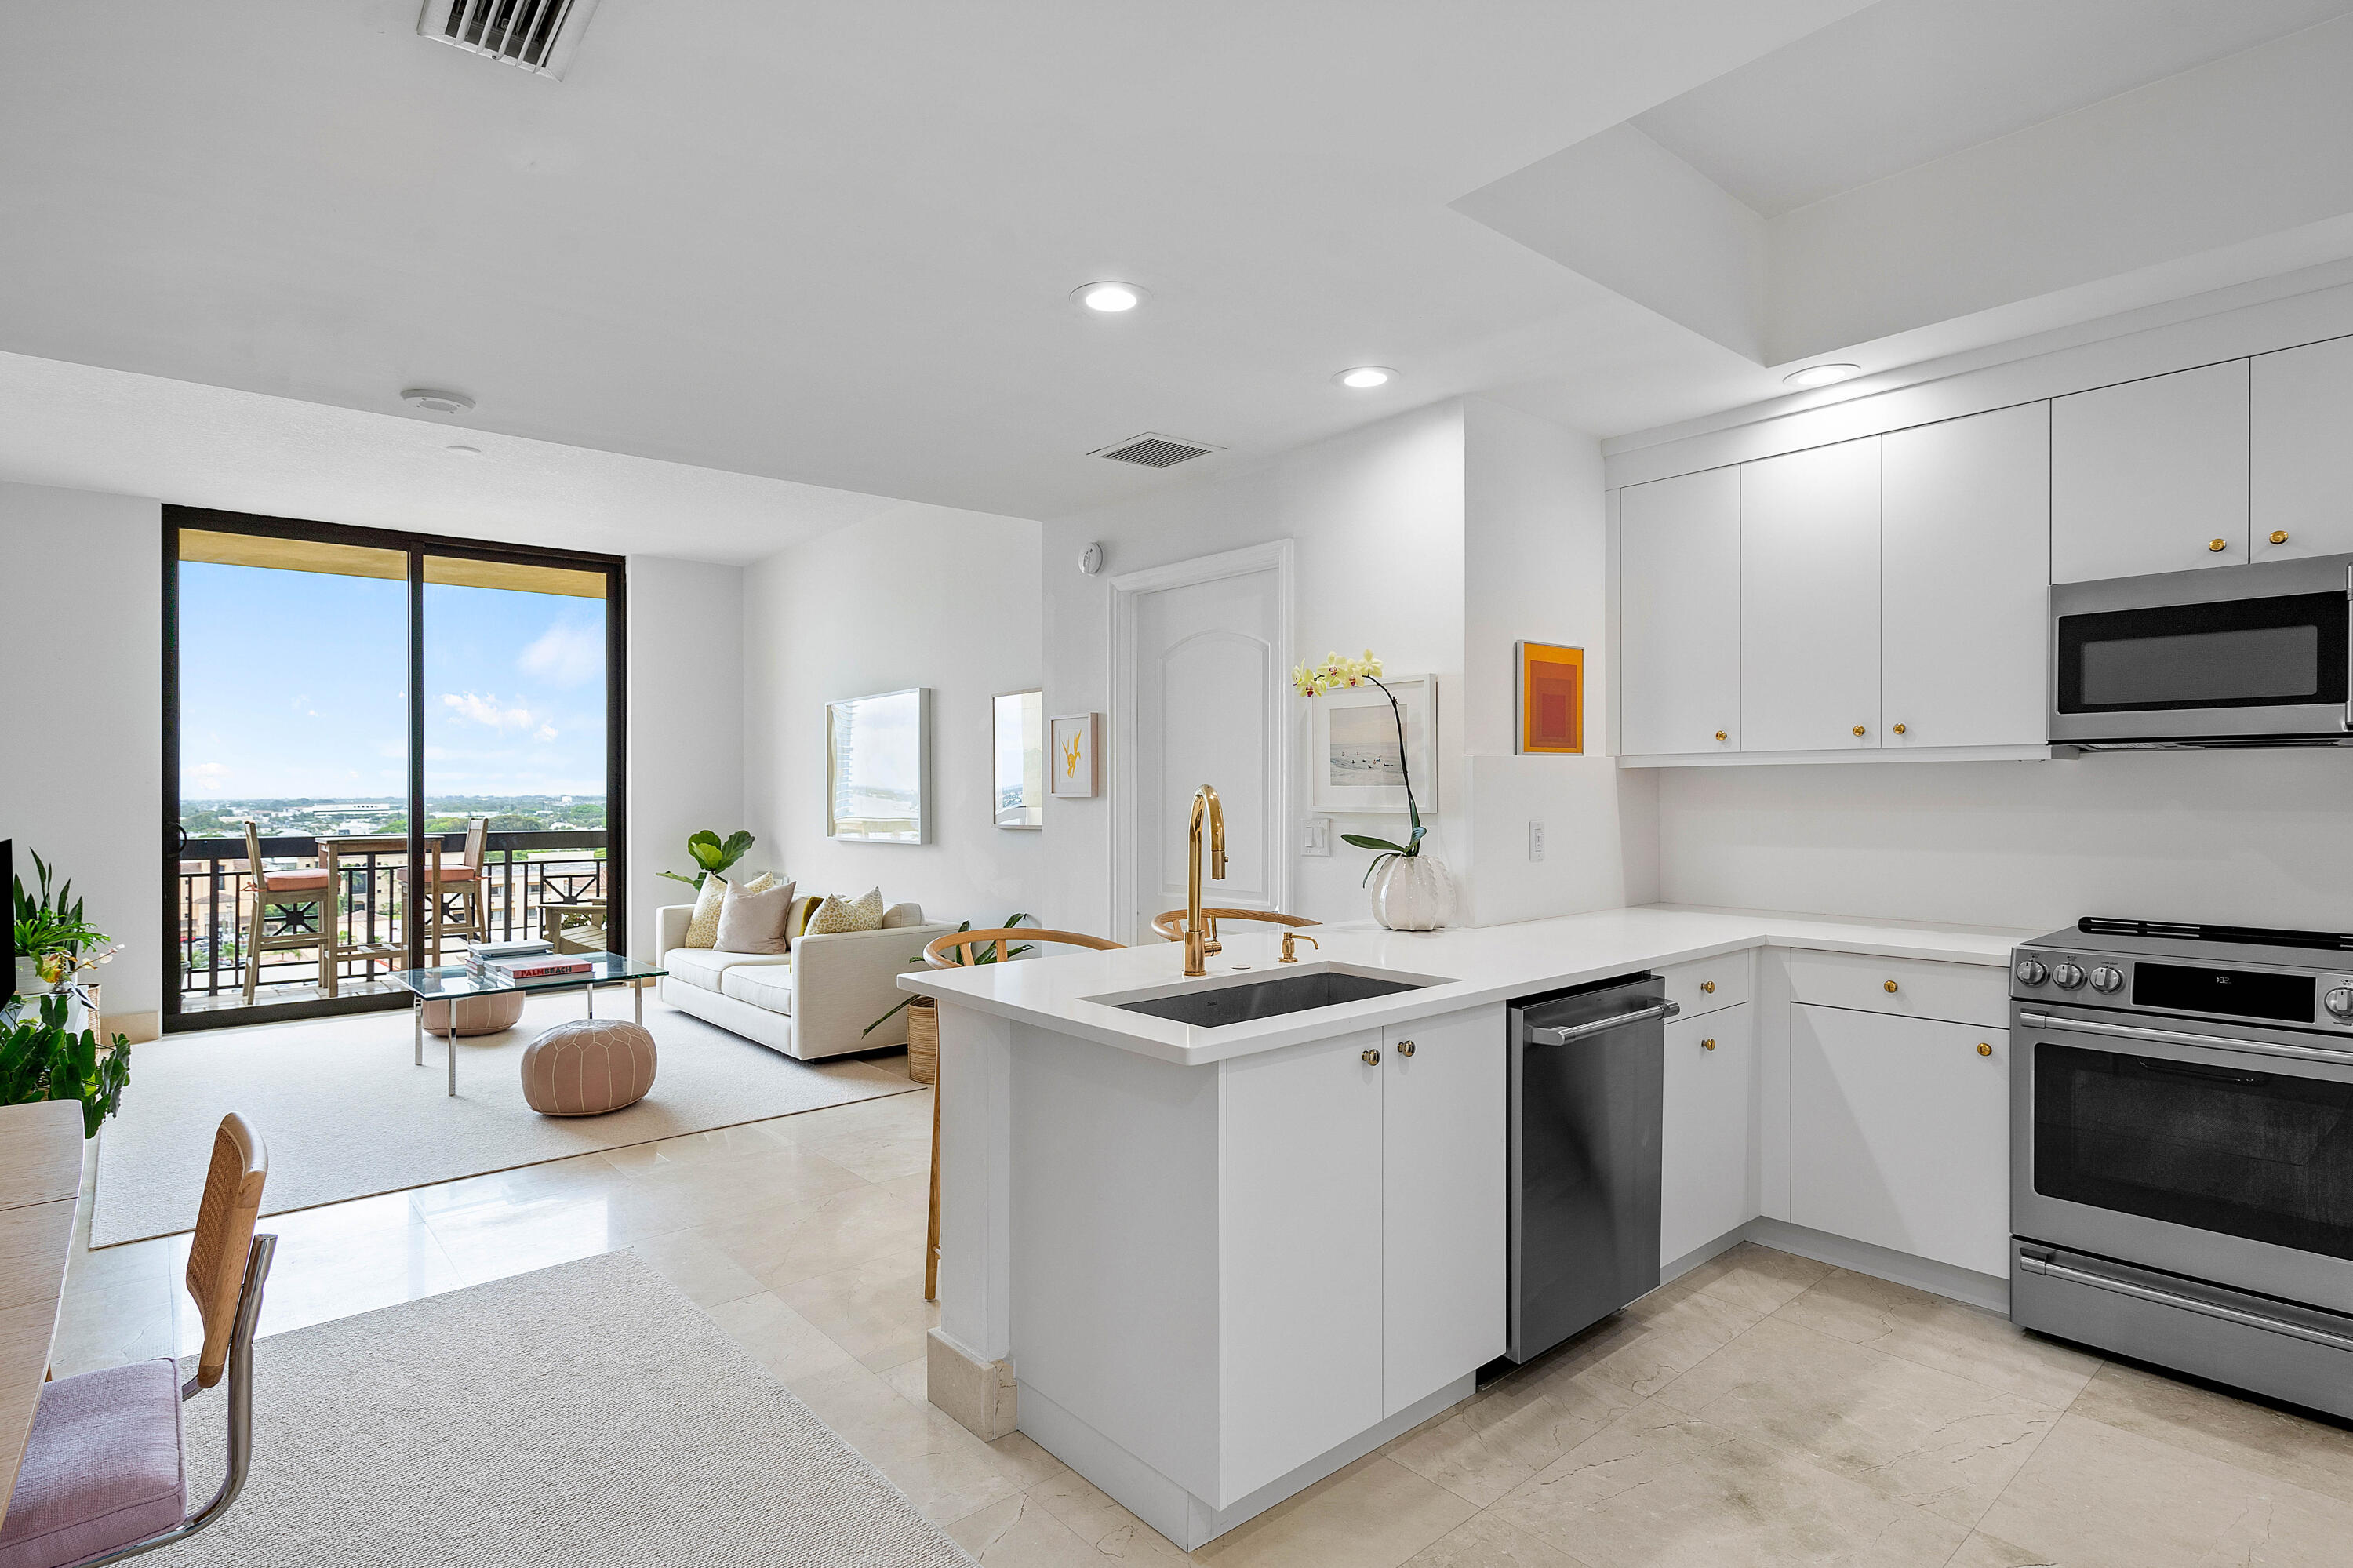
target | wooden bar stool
x=453, y=882
x=291, y=891
x=954, y=950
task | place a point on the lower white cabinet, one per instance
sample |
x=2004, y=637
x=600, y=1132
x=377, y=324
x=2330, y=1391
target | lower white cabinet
x=1707, y=1141
x=1899, y=1133
x=1362, y=1252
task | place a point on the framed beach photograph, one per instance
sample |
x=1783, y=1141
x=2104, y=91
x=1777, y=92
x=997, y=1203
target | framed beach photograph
x=1075, y=764
x=1355, y=765
x=1018, y=754
x=1552, y=700
x=877, y=767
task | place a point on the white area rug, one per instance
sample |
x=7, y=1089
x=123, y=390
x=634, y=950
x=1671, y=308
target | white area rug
x=346, y=1112
x=584, y=1415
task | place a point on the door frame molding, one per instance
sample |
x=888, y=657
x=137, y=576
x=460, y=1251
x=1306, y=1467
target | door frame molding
x=1120, y=776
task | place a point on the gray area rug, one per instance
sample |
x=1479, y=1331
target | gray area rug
x=347, y=1114
x=586, y=1413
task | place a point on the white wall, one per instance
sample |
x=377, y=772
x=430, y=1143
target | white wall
x=2260, y=838
x=81, y=734
x=937, y=598
x=1377, y=515
x=686, y=724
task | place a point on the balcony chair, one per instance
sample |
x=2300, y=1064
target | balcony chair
x=458, y=882
x=105, y=1475
x=291, y=891
x=953, y=951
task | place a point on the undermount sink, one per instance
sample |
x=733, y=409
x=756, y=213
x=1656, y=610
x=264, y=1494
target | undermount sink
x=1214, y=1004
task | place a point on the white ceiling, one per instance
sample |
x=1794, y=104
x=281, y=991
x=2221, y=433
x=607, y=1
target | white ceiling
x=755, y=264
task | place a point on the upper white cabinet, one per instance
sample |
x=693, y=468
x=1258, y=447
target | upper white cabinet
x=2150, y=476
x=1965, y=558
x=1679, y=614
x=2299, y=426
x=1809, y=599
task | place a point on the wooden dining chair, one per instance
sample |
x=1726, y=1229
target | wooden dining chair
x=1169, y=924
x=290, y=892
x=953, y=950
x=457, y=884
x=105, y=1470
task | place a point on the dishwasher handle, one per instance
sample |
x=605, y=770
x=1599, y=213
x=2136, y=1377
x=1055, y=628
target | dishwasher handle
x=1562, y=1036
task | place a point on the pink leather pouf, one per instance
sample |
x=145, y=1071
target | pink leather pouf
x=587, y=1067
x=476, y=1015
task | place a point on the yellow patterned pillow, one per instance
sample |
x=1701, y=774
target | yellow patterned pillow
x=703, y=927
x=838, y=914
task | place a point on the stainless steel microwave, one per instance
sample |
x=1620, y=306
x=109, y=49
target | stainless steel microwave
x=2252, y=656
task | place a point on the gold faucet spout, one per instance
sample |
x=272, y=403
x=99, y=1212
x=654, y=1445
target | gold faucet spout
x=1206, y=809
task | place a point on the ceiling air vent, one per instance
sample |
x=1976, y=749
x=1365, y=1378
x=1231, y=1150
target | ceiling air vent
x=539, y=35
x=1149, y=450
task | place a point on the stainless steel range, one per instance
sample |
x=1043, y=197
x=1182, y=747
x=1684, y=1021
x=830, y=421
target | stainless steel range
x=2181, y=1151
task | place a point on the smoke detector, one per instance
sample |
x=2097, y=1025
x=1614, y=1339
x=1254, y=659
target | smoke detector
x=1150, y=451
x=538, y=35
x=435, y=401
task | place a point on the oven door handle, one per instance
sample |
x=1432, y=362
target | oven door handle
x=2178, y=1037
x=2057, y=1270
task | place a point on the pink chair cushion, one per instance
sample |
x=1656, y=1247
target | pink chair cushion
x=102, y=1467
x=293, y=881
x=447, y=873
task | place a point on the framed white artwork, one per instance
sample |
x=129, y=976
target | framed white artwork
x=1018, y=752
x=1355, y=763
x=877, y=767
x=1074, y=754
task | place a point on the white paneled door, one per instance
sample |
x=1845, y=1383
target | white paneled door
x=1203, y=652
x=1809, y=599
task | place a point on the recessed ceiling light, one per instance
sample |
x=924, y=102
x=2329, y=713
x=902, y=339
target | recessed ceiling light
x=1820, y=374
x=435, y=401
x=1365, y=377
x=1109, y=298
x=463, y=451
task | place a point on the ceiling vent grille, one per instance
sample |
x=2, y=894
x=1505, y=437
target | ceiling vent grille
x=539, y=35
x=1149, y=450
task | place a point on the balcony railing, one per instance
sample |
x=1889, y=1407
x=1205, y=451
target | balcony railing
x=523, y=873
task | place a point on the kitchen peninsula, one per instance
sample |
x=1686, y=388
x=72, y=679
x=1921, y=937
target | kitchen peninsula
x=1206, y=1265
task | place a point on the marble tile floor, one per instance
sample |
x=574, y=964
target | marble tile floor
x=1762, y=1410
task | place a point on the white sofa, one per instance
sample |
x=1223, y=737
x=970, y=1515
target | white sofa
x=809, y=1003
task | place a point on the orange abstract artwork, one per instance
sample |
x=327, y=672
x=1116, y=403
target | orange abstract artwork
x=1552, y=700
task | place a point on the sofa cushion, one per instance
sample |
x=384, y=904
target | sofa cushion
x=753, y=922
x=764, y=986
x=899, y=914
x=705, y=966
x=702, y=927
x=837, y=915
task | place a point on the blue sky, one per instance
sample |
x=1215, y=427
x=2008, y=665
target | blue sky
x=292, y=684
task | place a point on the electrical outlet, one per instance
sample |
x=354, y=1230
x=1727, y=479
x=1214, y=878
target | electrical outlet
x=1317, y=838
x=1535, y=838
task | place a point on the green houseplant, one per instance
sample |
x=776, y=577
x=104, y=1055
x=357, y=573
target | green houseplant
x=48, y=929
x=712, y=854
x=988, y=958
x=41, y=1059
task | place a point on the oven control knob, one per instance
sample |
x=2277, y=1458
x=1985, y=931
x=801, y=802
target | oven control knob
x=2067, y=976
x=2106, y=979
x=2031, y=972
x=2339, y=1004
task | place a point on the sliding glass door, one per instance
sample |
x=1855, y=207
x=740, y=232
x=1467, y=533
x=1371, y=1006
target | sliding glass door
x=425, y=737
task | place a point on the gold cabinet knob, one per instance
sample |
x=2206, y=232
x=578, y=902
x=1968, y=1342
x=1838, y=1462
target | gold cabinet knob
x=2279, y=536
x=1890, y=985
x=1858, y=729
x=1405, y=1047
x=1372, y=1056
x=1899, y=730
x=1707, y=1044
x=2217, y=545
x=1722, y=736
x=1984, y=1049
x=1707, y=987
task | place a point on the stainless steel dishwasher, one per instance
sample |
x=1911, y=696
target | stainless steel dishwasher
x=1588, y=1072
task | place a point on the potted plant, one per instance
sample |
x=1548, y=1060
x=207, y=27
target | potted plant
x=41, y=1059
x=1410, y=890
x=712, y=856
x=53, y=942
x=923, y=1013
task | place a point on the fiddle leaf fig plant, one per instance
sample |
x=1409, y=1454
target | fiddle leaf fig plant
x=41, y=1059
x=990, y=956
x=712, y=854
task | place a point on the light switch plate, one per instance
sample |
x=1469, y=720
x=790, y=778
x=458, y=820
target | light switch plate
x=1535, y=838
x=1317, y=838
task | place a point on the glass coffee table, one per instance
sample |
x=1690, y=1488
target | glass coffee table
x=454, y=983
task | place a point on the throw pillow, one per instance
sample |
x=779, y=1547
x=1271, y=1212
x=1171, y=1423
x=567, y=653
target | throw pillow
x=902, y=915
x=703, y=927
x=838, y=914
x=760, y=883
x=797, y=923
x=753, y=922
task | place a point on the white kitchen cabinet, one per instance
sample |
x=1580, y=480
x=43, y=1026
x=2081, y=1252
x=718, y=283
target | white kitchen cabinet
x=2150, y=476
x=1899, y=1133
x=1809, y=599
x=1442, y=1201
x=1679, y=614
x=2299, y=424
x=1965, y=551
x=1707, y=1141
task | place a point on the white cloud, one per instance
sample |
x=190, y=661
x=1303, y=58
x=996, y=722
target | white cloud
x=565, y=655
x=487, y=710
x=208, y=775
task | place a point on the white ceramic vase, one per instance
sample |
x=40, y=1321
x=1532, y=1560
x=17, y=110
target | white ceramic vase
x=1413, y=893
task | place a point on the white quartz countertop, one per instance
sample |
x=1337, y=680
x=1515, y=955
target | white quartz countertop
x=1471, y=966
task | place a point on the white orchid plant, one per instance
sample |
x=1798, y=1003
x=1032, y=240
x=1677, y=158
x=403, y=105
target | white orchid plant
x=1337, y=674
